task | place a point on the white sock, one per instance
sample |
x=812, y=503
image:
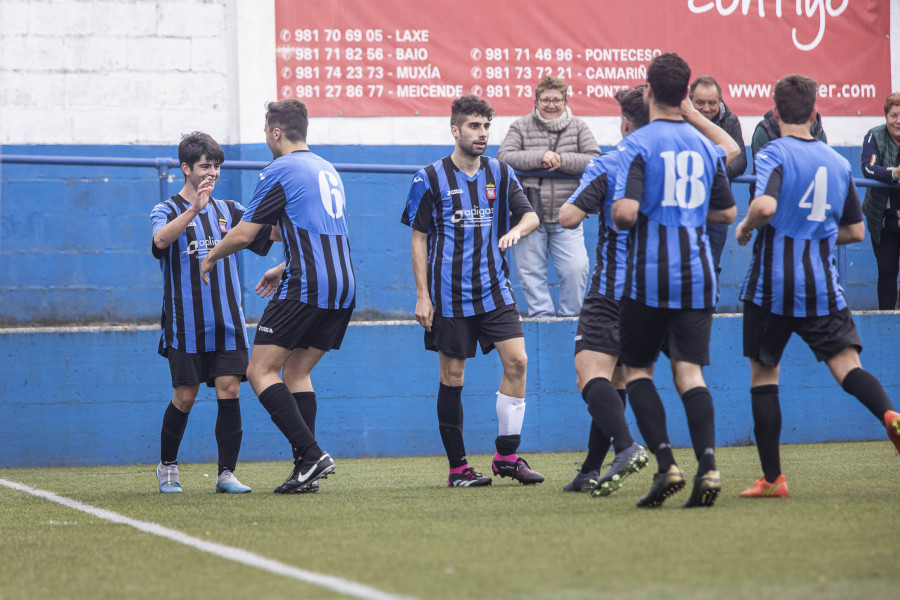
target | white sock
x=510, y=414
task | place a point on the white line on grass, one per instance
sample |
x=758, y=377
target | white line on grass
x=337, y=584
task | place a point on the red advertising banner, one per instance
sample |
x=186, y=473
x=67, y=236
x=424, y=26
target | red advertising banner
x=412, y=57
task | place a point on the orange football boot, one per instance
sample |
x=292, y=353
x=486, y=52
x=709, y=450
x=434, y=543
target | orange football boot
x=764, y=489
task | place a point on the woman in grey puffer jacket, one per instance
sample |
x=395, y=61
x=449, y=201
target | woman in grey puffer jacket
x=551, y=138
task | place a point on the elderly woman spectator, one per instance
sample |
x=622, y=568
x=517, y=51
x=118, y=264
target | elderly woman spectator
x=881, y=161
x=550, y=138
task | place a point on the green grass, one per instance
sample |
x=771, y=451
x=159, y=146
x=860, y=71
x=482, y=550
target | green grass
x=393, y=525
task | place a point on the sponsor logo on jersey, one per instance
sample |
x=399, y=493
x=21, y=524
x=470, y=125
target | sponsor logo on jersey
x=454, y=192
x=417, y=180
x=200, y=248
x=473, y=217
x=490, y=192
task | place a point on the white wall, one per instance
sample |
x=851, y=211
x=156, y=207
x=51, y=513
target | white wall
x=146, y=71
x=116, y=71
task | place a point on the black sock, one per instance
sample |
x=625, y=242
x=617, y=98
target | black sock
x=651, y=420
x=174, y=422
x=279, y=403
x=306, y=404
x=507, y=444
x=701, y=418
x=868, y=390
x=450, y=422
x=228, y=433
x=608, y=412
x=598, y=445
x=623, y=394
x=767, y=429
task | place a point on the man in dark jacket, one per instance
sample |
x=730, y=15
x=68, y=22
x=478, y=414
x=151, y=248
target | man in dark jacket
x=707, y=98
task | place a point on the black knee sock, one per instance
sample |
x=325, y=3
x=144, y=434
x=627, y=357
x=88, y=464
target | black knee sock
x=279, y=403
x=868, y=390
x=598, y=445
x=450, y=422
x=507, y=444
x=623, y=394
x=228, y=433
x=174, y=422
x=608, y=412
x=701, y=418
x=767, y=429
x=306, y=404
x=651, y=420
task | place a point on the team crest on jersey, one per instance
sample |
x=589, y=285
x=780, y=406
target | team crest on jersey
x=223, y=225
x=490, y=192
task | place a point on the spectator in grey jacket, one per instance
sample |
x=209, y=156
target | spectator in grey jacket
x=706, y=94
x=550, y=138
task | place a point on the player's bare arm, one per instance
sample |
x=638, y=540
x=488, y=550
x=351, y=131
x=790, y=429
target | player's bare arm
x=722, y=216
x=761, y=211
x=269, y=282
x=424, y=306
x=236, y=239
x=528, y=224
x=625, y=213
x=851, y=234
x=275, y=236
x=716, y=134
x=570, y=216
x=174, y=228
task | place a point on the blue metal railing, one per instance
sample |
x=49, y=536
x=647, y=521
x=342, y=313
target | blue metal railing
x=162, y=166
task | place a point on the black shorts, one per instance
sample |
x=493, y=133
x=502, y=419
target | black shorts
x=683, y=333
x=291, y=324
x=456, y=336
x=194, y=368
x=766, y=334
x=598, y=326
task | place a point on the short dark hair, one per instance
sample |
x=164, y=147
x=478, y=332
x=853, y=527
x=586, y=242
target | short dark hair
x=706, y=80
x=795, y=98
x=195, y=145
x=891, y=100
x=633, y=106
x=551, y=82
x=467, y=106
x=668, y=76
x=290, y=116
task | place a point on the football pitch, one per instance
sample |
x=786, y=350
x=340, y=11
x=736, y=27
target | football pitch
x=390, y=528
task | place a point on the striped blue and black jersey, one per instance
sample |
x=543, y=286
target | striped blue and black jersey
x=594, y=196
x=464, y=218
x=677, y=176
x=793, y=271
x=197, y=317
x=303, y=194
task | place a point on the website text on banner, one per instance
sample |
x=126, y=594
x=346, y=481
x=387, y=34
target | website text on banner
x=406, y=57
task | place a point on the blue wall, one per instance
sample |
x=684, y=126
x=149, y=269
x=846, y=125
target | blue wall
x=89, y=397
x=74, y=240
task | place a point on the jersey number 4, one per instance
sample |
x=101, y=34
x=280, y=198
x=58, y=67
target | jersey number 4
x=681, y=169
x=818, y=189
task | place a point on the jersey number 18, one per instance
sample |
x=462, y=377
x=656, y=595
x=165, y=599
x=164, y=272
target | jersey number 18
x=681, y=169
